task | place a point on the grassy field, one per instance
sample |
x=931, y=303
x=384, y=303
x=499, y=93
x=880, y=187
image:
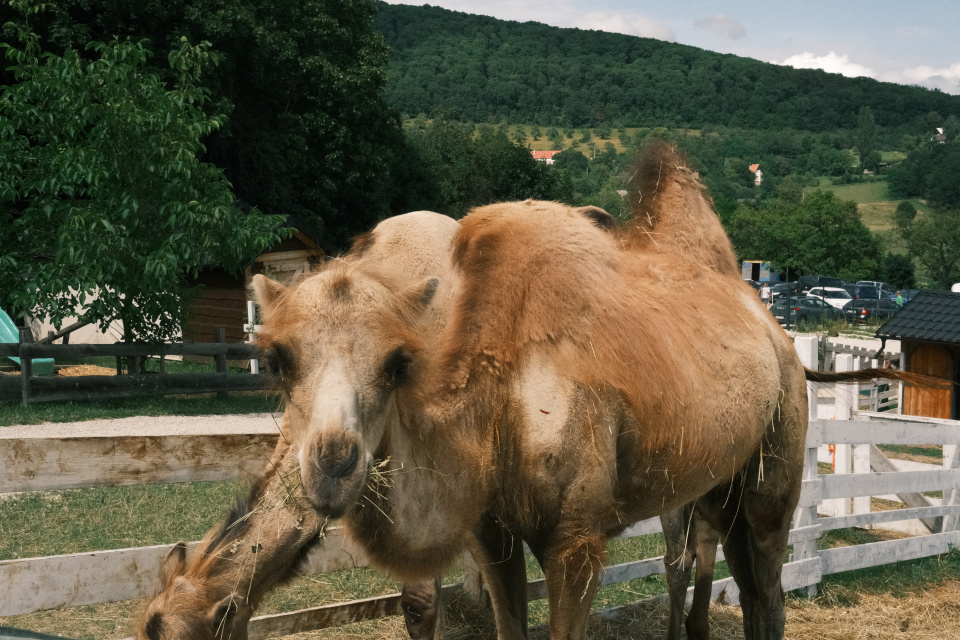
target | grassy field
x=876, y=208
x=45, y=524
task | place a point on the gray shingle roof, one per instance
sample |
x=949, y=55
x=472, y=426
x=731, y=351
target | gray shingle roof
x=930, y=315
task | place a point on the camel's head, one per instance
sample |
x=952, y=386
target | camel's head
x=340, y=344
x=191, y=608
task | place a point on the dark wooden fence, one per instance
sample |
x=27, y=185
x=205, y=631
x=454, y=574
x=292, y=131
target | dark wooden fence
x=56, y=389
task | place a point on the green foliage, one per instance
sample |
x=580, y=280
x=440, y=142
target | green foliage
x=898, y=271
x=453, y=170
x=866, y=133
x=818, y=234
x=530, y=72
x=904, y=214
x=309, y=133
x=929, y=172
x=933, y=240
x=105, y=206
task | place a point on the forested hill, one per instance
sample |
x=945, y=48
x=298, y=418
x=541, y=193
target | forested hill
x=489, y=70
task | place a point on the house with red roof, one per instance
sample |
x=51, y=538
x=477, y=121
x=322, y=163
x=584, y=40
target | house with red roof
x=545, y=156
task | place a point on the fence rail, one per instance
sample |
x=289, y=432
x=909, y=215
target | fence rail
x=34, y=584
x=33, y=389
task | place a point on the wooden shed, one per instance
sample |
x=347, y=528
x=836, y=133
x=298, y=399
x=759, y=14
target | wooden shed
x=222, y=301
x=928, y=328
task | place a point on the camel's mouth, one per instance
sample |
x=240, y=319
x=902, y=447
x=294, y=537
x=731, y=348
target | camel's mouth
x=332, y=495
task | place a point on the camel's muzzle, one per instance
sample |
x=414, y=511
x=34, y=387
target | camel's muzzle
x=333, y=472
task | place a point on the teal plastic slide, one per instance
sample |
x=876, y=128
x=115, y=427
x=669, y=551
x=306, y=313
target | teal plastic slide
x=9, y=333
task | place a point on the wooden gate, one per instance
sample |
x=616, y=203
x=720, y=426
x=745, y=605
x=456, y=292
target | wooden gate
x=933, y=360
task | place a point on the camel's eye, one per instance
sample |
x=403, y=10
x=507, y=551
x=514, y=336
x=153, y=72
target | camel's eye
x=278, y=361
x=396, y=368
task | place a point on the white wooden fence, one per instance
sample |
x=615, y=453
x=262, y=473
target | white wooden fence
x=34, y=584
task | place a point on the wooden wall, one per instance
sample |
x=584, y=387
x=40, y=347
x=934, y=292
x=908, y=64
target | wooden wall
x=935, y=360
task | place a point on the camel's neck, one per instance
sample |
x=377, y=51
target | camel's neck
x=423, y=496
x=266, y=541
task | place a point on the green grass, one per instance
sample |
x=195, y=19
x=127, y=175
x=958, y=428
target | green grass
x=79, y=520
x=14, y=413
x=861, y=193
x=934, y=452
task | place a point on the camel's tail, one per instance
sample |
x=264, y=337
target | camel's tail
x=865, y=375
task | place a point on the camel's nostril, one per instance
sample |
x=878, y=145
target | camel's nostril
x=338, y=459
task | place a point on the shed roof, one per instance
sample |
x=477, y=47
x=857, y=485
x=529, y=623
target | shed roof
x=754, y=167
x=932, y=316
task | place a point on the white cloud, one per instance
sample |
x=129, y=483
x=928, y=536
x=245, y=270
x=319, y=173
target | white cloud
x=947, y=79
x=630, y=24
x=722, y=25
x=831, y=63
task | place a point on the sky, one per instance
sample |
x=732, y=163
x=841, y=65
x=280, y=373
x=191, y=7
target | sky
x=914, y=42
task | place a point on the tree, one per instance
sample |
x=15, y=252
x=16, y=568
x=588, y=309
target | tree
x=105, y=206
x=535, y=132
x=866, y=133
x=818, y=234
x=458, y=171
x=309, y=131
x=898, y=271
x=933, y=240
x=904, y=214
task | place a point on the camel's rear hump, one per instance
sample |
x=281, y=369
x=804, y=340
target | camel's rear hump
x=671, y=212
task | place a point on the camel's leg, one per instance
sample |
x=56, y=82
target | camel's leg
x=422, y=610
x=499, y=554
x=572, y=570
x=755, y=559
x=678, y=562
x=706, y=537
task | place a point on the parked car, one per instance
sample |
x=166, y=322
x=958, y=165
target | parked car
x=871, y=290
x=866, y=310
x=753, y=283
x=850, y=288
x=804, y=311
x=808, y=282
x=783, y=288
x=834, y=296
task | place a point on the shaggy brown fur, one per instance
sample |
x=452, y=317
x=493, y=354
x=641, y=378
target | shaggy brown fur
x=260, y=544
x=560, y=383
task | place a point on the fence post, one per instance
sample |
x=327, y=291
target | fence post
x=951, y=497
x=808, y=350
x=861, y=452
x=221, y=359
x=902, y=365
x=845, y=398
x=26, y=366
x=251, y=320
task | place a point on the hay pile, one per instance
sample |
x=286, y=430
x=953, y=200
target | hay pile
x=86, y=370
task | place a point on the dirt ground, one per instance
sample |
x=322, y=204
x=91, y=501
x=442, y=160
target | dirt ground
x=929, y=615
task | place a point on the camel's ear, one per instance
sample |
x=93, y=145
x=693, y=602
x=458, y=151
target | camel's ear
x=420, y=295
x=266, y=291
x=175, y=562
x=222, y=616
